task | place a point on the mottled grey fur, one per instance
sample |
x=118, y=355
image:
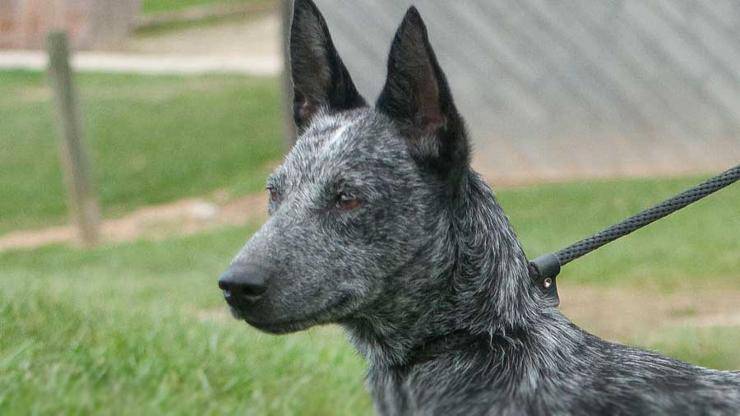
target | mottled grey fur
x=425, y=272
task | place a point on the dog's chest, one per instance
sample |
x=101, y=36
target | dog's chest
x=390, y=391
x=440, y=390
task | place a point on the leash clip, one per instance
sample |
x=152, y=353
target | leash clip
x=543, y=270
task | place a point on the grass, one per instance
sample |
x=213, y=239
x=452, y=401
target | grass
x=151, y=139
x=713, y=347
x=699, y=242
x=168, y=24
x=138, y=327
x=159, y=6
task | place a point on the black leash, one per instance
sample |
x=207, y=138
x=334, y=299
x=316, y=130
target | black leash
x=544, y=269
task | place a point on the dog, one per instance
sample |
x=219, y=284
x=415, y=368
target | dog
x=378, y=223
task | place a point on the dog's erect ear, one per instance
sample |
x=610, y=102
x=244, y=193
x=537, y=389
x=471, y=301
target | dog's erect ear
x=320, y=79
x=417, y=96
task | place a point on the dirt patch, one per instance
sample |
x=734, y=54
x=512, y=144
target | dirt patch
x=620, y=313
x=155, y=222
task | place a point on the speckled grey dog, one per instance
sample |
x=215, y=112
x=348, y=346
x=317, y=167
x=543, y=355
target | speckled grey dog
x=379, y=224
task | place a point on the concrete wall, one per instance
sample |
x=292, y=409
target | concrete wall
x=90, y=23
x=557, y=89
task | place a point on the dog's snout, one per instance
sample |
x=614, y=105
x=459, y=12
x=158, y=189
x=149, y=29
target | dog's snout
x=243, y=282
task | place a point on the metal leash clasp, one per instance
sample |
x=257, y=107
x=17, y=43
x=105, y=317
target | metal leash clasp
x=543, y=271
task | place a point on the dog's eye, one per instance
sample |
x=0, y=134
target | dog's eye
x=347, y=202
x=274, y=195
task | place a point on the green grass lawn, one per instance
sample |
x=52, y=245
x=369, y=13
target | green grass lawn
x=698, y=242
x=151, y=139
x=158, y=6
x=138, y=328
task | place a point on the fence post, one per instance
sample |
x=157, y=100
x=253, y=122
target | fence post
x=83, y=203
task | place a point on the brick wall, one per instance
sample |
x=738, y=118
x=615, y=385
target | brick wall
x=90, y=23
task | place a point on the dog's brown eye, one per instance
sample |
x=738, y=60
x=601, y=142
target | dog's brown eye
x=274, y=196
x=347, y=202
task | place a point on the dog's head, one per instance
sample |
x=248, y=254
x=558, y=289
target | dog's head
x=359, y=195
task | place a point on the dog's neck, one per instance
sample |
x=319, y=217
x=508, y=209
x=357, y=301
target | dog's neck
x=471, y=282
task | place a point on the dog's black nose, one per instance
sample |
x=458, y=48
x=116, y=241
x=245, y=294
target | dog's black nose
x=243, y=282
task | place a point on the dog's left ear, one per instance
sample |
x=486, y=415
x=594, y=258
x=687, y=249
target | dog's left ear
x=320, y=79
x=416, y=95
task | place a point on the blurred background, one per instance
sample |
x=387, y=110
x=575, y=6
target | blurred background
x=581, y=112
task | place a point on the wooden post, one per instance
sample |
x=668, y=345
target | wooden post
x=286, y=12
x=83, y=204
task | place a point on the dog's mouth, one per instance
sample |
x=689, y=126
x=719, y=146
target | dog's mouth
x=334, y=312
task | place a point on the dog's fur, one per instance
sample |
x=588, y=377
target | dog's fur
x=379, y=224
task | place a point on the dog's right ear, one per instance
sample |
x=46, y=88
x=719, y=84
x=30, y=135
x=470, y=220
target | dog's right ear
x=320, y=79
